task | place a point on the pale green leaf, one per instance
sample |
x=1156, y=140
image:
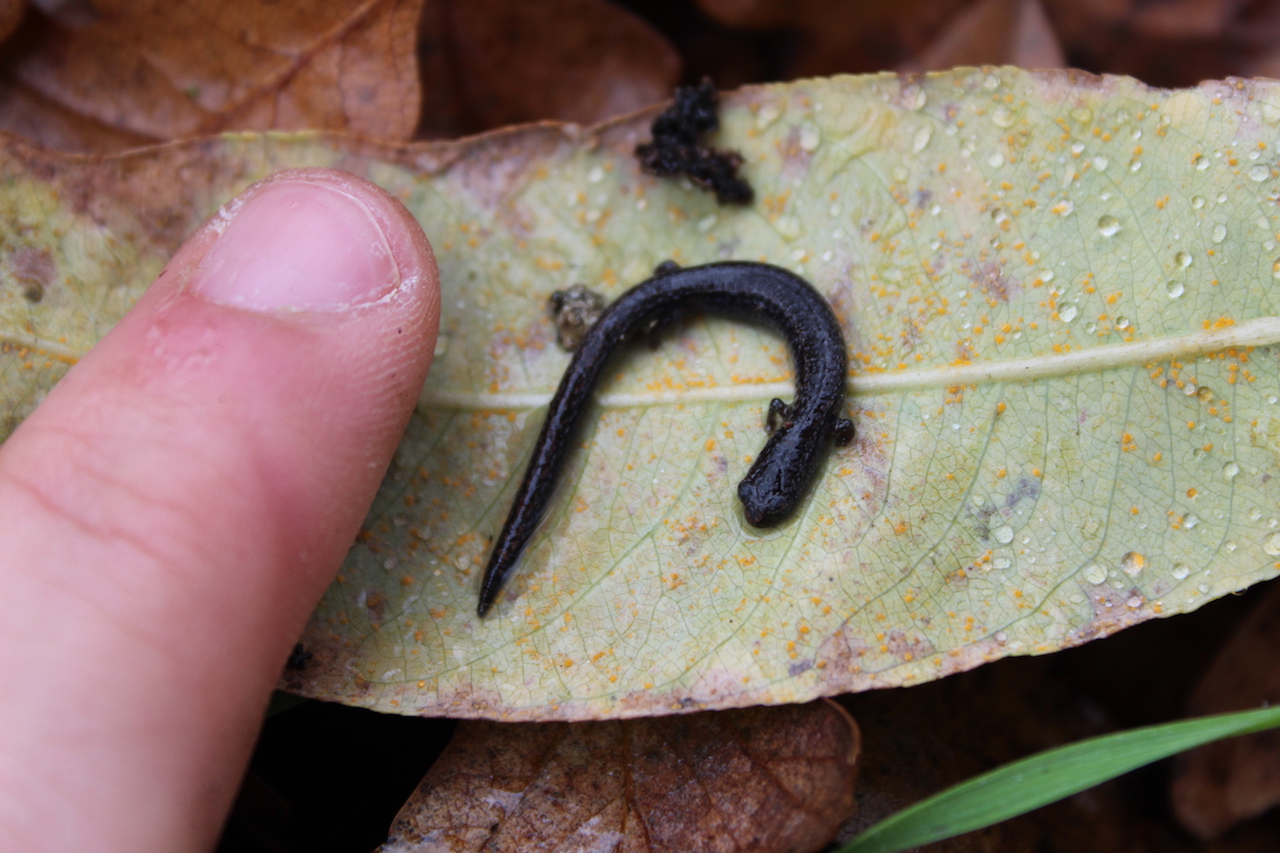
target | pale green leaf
x=1021, y=786
x=1059, y=292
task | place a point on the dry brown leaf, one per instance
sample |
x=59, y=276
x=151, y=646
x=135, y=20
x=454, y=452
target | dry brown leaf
x=760, y=779
x=841, y=37
x=1186, y=18
x=10, y=15
x=164, y=70
x=994, y=32
x=1224, y=783
x=571, y=60
x=1168, y=43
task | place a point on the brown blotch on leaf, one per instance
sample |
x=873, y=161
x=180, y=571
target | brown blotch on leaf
x=767, y=779
x=34, y=269
x=991, y=277
x=676, y=148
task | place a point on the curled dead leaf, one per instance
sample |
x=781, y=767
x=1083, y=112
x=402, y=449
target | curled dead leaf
x=760, y=779
x=161, y=71
x=572, y=60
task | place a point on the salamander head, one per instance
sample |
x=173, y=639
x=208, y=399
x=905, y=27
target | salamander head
x=767, y=495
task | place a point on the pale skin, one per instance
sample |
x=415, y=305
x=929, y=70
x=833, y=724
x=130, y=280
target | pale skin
x=172, y=511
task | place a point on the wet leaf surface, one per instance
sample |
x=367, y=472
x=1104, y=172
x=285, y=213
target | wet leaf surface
x=1058, y=292
x=760, y=779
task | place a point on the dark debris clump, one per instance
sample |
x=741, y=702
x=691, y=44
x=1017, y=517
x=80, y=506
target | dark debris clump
x=574, y=312
x=675, y=149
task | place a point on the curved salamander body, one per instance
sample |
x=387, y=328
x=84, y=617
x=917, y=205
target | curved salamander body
x=801, y=433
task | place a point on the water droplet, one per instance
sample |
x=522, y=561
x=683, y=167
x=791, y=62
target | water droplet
x=596, y=175
x=1091, y=327
x=1108, y=225
x=1122, y=323
x=835, y=209
x=1181, y=570
x=1095, y=573
x=1222, y=198
x=1197, y=201
x=1272, y=545
x=1101, y=163
x=1084, y=115
x=900, y=174
x=1273, y=399
x=1002, y=117
x=1133, y=563
x=1067, y=313
x=999, y=216
x=996, y=160
x=1174, y=289
x=707, y=223
x=768, y=115
x=1001, y=563
x=1259, y=172
x=1077, y=147
x=1134, y=602
x=1204, y=393
x=1219, y=233
x=1001, y=637
x=1135, y=165
x=1204, y=588
x=1045, y=275
x=810, y=136
x=991, y=82
x=1064, y=207
x=921, y=140
x=1182, y=259
x=1189, y=521
x=1230, y=547
x=1003, y=534
x=1201, y=162
x=1137, y=133
x=1255, y=514
x=1230, y=470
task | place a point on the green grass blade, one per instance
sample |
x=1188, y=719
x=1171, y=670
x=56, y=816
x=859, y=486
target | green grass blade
x=1047, y=777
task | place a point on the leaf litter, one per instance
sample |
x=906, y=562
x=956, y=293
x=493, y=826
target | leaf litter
x=760, y=779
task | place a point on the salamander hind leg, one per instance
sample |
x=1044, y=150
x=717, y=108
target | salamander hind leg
x=779, y=416
x=843, y=432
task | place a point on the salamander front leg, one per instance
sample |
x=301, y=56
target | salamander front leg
x=779, y=416
x=844, y=432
